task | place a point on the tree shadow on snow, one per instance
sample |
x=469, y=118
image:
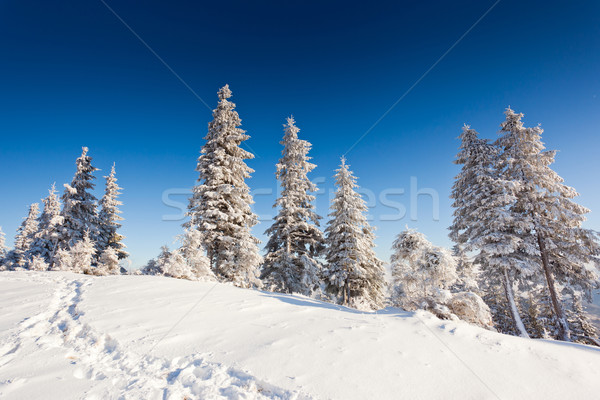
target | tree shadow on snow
x=302, y=301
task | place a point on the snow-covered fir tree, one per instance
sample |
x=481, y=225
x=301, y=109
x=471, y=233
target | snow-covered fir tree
x=220, y=204
x=186, y=262
x=108, y=262
x=422, y=273
x=62, y=260
x=465, y=270
x=354, y=273
x=108, y=218
x=583, y=330
x=38, y=263
x=425, y=277
x=79, y=205
x=21, y=254
x=482, y=225
x=295, y=240
x=193, y=254
x=155, y=265
x=49, y=228
x=175, y=266
x=3, y=250
x=547, y=218
x=82, y=255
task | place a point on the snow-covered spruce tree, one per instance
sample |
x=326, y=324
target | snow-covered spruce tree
x=3, y=250
x=37, y=263
x=108, y=218
x=193, y=253
x=21, y=254
x=79, y=205
x=547, y=218
x=155, y=266
x=465, y=271
x=175, y=266
x=583, y=329
x=62, y=260
x=354, y=273
x=108, y=262
x=220, y=204
x=82, y=255
x=482, y=226
x=49, y=228
x=422, y=273
x=295, y=240
x=423, y=276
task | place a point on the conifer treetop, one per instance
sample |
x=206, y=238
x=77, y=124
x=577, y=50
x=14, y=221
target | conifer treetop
x=224, y=93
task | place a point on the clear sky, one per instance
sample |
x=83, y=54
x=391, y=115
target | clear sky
x=73, y=75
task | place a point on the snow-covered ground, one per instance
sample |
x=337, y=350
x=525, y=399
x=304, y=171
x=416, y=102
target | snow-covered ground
x=67, y=336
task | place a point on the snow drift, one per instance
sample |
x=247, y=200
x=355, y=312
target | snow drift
x=69, y=336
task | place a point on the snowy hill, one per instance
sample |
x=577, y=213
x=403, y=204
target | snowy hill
x=68, y=336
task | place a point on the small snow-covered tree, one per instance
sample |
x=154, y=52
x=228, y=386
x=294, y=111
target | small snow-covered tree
x=108, y=262
x=354, y=273
x=21, y=253
x=220, y=205
x=176, y=266
x=295, y=241
x=63, y=261
x=548, y=220
x=425, y=277
x=465, y=271
x=422, y=273
x=82, y=255
x=155, y=266
x=108, y=218
x=79, y=205
x=49, y=228
x=482, y=225
x=3, y=250
x=583, y=329
x=38, y=263
x=193, y=254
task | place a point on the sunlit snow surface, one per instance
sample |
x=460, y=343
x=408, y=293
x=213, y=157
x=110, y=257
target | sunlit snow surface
x=67, y=336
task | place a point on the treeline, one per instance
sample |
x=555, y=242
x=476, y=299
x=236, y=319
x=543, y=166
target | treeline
x=522, y=263
x=73, y=233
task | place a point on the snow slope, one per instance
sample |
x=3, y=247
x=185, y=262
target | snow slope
x=67, y=336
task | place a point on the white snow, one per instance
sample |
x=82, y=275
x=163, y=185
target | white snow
x=69, y=336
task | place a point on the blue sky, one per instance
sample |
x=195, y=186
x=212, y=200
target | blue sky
x=73, y=75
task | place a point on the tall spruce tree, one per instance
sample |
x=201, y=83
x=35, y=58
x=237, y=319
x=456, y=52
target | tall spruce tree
x=220, y=204
x=108, y=218
x=79, y=205
x=49, y=228
x=547, y=218
x=295, y=240
x=21, y=254
x=482, y=225
x=354, y=273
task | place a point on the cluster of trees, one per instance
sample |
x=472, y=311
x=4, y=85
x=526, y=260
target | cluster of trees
x=338, y=263
x=81, y=235
x=522, y=263
x=517, y=221
x=299, y=257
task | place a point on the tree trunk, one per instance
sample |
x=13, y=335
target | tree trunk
x=508, y=290
x=563, y=325
x=346, y=293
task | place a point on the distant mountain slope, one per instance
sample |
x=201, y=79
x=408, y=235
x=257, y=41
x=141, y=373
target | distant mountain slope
x=67, y=336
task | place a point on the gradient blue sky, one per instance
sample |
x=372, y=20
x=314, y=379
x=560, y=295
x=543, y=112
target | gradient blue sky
x=73, y=75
